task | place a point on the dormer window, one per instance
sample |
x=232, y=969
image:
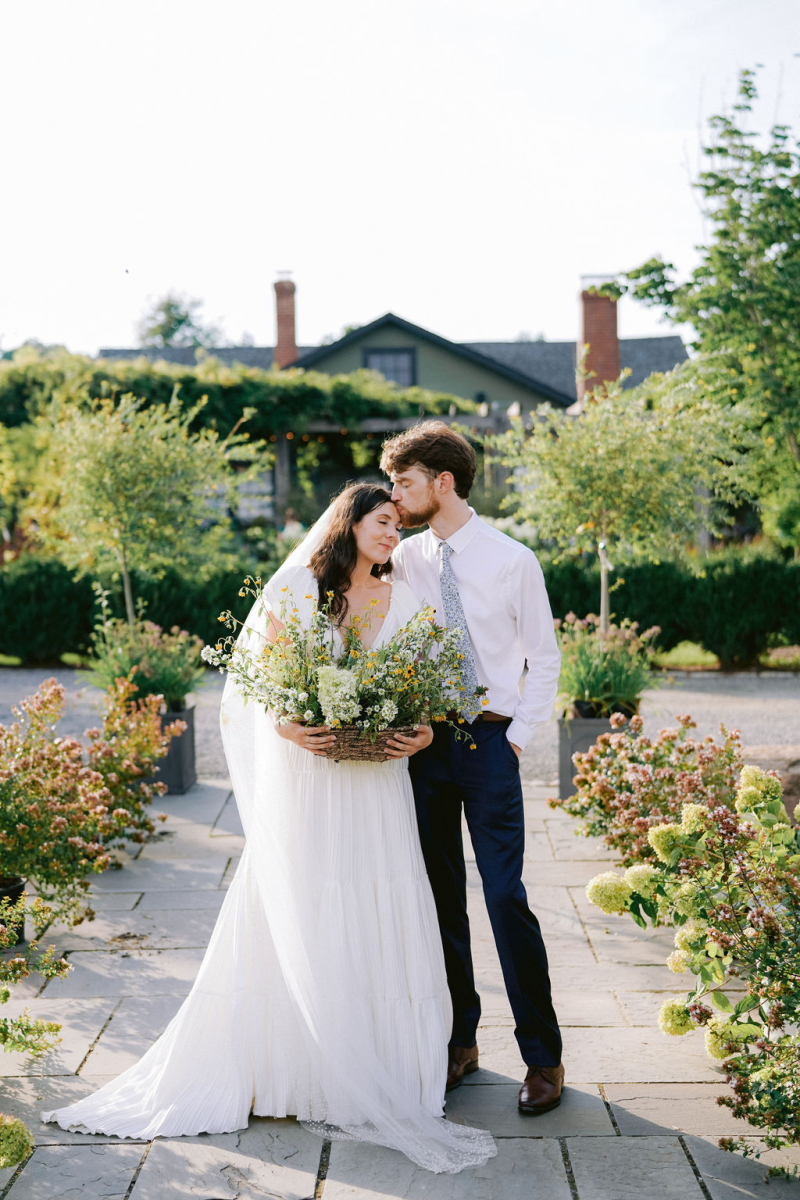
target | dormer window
x=398, y=365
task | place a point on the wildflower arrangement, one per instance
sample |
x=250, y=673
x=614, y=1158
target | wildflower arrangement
x=412, y=678
x=166, y=663
x=628, y=783
x=24, y=1033
x=603, y=673
x=727, y=878
x=61, y=804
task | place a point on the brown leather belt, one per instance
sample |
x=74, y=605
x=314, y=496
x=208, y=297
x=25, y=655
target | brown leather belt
x=484, y=716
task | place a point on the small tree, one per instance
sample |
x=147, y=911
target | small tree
x=743, y=298
x=630, y=477
x=173, y=320
x=137, y=489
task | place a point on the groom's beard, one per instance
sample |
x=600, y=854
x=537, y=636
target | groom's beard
x=423, y=516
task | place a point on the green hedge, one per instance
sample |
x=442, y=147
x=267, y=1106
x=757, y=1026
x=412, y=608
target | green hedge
x=731, y=608
x=280, y=400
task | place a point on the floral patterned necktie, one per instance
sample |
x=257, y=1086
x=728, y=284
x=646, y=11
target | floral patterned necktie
x=455, y=619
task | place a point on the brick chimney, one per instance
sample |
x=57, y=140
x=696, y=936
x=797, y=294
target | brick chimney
x=286, y=345
x=599, y=333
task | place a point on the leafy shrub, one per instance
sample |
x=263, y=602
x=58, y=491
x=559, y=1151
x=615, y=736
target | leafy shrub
x=727, y=879
x=164, y=664
x=602, y=673
x=737, y=605
x=627, y=783
x=60, y=807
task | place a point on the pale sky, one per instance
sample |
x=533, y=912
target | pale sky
x=458, y=162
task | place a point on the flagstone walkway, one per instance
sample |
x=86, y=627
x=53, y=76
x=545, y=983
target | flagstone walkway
x=638, y=1119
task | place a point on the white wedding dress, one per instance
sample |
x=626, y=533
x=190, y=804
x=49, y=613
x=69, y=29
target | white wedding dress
x=323, y=992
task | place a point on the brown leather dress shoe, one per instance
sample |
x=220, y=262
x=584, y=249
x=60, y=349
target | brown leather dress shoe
x=541, y=1090
x=461, y=1061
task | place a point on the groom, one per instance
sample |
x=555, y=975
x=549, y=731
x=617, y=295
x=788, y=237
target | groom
x=491, y=588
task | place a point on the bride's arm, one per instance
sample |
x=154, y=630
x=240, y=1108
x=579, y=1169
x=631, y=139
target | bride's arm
x=315, y=738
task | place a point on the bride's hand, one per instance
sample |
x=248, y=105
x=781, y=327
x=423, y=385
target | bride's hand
x=315, y=738
x=402, y=746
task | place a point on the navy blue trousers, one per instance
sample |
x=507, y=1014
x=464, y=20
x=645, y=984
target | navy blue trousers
x=448, y=776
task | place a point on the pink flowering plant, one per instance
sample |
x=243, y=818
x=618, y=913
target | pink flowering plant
x=160, y=662
x=726, y=877
x=628, y=783
x=62, y=805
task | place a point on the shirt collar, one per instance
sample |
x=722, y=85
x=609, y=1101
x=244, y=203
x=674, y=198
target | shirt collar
x=462, y=537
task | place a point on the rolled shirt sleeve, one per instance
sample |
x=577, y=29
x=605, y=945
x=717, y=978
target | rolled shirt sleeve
x=529, y=606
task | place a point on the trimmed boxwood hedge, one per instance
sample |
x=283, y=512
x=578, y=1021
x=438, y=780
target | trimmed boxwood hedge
x=731, y=607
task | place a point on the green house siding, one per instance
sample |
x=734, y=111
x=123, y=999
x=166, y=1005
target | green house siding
x=437, y=368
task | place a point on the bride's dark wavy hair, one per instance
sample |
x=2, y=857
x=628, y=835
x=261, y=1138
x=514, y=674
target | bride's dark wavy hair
x=334, y=559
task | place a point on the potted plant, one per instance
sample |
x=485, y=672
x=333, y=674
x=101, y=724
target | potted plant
x=159, y=663
x=601, y=673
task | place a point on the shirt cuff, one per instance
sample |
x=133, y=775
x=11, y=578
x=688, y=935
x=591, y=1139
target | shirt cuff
x=519, y=733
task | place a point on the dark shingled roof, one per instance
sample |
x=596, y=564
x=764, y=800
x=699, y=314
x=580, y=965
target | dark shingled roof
x=546, y=365
x=554, y=362
x=249, y=356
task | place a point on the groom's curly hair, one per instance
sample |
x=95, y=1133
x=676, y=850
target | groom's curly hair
x=433, y=447
x=334, y=559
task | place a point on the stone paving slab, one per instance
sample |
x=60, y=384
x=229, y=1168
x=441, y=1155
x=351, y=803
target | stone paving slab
x=732, y=1177
x=80, y=1026
x=645, y=1108
x=571, y=846
x=228, y=820
x=617, y=1055
x=270, y=1159
x=27, y=1097
x=523, y=1168
x=136, y=1024
x=164, y=876
x=113, y=901
x=494, y=1107
x=653, y=1168
x=162, y=929
x=128, y=973
x=642, y=1006
x=173, y=901
x=594, y=1009
x=99, y=1172
x=568, y=873
x=203, y=803
x=188, y=841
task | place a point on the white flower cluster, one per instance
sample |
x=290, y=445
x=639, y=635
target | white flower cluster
x=337, y=691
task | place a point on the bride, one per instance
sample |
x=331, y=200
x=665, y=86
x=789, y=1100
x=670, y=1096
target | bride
x=323, y=992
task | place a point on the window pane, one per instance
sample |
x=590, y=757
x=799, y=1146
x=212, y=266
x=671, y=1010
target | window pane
x=397, y=365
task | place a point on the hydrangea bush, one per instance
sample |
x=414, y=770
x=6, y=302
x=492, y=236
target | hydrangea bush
x=727, y=877
x=628, y=783
x=414, y=677
x=24, y=1033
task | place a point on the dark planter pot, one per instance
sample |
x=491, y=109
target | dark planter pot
x=13, y=889
x=177, y=768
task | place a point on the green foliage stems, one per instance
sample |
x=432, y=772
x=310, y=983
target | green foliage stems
x=136, y=488
x=727, y=880
x=601, y=672
x=731, y=602
x=280, y=400
x=629, y=477
x=743, y=298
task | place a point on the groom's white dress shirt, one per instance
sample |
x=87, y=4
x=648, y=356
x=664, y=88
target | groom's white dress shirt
x=507, y=612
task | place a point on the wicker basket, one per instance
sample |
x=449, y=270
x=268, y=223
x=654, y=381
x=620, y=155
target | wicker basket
x=355, y=744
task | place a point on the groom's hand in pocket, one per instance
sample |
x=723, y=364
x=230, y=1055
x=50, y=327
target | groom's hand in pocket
x=403, y=746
